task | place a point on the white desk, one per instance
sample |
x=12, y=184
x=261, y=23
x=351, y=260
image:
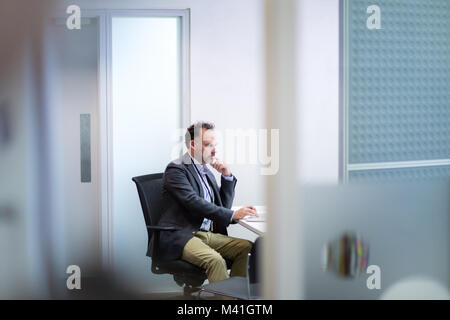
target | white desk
x=258, y=227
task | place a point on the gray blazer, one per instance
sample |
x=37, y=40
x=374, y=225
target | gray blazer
x=185, y=208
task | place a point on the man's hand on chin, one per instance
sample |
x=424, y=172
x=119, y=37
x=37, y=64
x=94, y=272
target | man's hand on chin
x=221, y=167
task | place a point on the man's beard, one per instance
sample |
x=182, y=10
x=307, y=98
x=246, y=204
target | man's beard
x=208, y=159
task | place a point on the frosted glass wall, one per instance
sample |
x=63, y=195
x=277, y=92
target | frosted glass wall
x=146, y=111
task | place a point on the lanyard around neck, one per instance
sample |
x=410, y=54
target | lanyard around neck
x=205, y=182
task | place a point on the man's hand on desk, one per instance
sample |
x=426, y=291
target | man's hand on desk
x=243, y=212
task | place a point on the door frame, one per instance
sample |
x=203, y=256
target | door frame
x=105, y=108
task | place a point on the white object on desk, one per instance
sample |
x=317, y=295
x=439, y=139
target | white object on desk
x=260, y=210
x=254, y=224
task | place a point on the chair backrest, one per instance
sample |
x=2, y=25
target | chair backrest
x=149, y=188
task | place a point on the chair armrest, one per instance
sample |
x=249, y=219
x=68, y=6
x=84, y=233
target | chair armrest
x=159, y=228
x=156, y=230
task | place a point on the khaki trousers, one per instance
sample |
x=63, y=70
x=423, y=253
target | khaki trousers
x=208, y=250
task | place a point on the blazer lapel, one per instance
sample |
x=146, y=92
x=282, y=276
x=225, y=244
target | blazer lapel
x=187, y=161
x=214, y=186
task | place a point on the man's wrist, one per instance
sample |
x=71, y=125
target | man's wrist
x=229, y=178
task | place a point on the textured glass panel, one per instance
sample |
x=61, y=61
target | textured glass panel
x=401, y=175
x=399, y=81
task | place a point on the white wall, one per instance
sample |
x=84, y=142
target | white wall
x=318, y=91
x=227, y=77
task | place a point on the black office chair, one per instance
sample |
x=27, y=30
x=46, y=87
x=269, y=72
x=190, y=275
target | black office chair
x=185, y=274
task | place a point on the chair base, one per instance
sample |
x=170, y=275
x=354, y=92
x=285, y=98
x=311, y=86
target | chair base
x=191, y=281
x=235, y=287
x=188, y=290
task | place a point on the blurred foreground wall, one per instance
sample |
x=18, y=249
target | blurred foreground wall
x=24, y=195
